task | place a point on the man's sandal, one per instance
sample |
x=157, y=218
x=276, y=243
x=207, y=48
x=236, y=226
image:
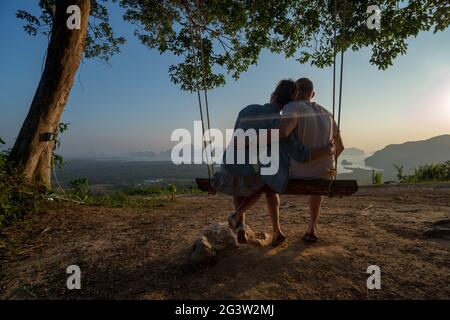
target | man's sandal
x=278, y=240
x=310, y=238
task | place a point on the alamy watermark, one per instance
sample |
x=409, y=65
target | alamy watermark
x=74, y=280
x=74, y=21
x=373, y=21
x=243, y=147
x=374, y=280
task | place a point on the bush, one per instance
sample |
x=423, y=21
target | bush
x=80, y=188
x=376, y=177
x=172, y=189
x=431, y=172
x=18, y=197
x=400, y=175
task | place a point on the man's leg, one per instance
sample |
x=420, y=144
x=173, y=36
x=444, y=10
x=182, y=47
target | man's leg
x=314, y=209
x=273, y=206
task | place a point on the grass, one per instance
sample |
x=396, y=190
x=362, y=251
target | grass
x=122, y=200
x=19, y=198
x=142, y=196
x=144, y=190
x=426, y=173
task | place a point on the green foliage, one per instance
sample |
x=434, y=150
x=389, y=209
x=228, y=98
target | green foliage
x=144, y=190
x=100, y=41
x=115, y=200
x=141, y=196
x=122, y=200
x=233, y=32
x=400, y=175
x=57, y=160
x=80, y=188
x=3, y=157
x=376, y=177
x=172, y=189
x=17, y=196
x=429, y=172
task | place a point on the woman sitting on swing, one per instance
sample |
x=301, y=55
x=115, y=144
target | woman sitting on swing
x=245, y=182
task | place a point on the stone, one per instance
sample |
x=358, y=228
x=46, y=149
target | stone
x=260, y=239
x=220, y=236
x=202, y=252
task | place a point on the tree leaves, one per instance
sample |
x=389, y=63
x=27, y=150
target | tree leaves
x=101, y=41
x=233, y=32
x=236, y=31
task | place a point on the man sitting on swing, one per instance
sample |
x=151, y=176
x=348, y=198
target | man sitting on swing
x=244, y=181
x=315, y=127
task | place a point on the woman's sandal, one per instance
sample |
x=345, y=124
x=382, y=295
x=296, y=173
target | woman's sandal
x=232, y=222
x=278, y=240
x=241, y=234
x=310, y=238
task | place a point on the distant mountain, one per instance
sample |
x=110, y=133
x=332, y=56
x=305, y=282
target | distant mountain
x=410, y=155
x=153, y=156
x=353, y=152
x=165, y=155
x=345, y=162
x=149, y=154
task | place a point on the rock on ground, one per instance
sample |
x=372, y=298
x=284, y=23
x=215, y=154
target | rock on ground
x=218, y=238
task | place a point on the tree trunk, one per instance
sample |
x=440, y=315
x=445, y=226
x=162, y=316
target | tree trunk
x=32, y=151
x=44, y=166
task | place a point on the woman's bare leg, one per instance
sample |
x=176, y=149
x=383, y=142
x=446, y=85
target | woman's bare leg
x=241, y=205
x=315, y=203
x=245, y=204
x=237, y=203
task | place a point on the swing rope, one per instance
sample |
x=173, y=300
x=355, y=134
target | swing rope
x=196, y=38
x=298, y=186
x=344, y=17
x=343, y=30
x=205, y=88
x=334, y=56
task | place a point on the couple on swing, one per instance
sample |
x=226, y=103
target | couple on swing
x=308, y=142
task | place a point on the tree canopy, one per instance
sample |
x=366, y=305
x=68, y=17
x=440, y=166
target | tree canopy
x=101, y=42
x=233, y=32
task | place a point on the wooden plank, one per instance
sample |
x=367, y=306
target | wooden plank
x=322, y=187
x=338, y=188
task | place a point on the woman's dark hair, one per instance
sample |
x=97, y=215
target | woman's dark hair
x=285, y=91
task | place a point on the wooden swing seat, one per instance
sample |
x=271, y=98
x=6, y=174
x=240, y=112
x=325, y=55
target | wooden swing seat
x=339, y=188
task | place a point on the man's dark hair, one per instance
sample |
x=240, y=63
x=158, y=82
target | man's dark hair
x=285, y=91
x=305, y=86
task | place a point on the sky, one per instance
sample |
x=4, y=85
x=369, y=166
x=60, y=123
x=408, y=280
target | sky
x=131, y=105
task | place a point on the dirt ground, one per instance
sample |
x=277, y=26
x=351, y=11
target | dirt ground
x=142, y=253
